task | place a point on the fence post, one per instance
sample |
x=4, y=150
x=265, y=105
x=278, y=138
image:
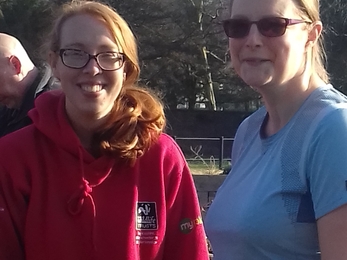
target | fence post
x=221, y=154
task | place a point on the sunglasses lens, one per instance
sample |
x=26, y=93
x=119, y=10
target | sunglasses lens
x=236, y=28
x=269, y=27
x=272, y=27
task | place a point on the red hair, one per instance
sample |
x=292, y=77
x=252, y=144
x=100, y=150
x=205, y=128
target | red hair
x=137, y=117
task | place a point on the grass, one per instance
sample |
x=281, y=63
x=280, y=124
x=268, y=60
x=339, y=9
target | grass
x=206, y=166
x=200, y=165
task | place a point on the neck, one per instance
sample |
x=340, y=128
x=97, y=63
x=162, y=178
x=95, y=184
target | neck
x=85, y=128
x=285, y=101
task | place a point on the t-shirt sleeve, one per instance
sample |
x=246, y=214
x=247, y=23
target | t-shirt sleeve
x=326, y=162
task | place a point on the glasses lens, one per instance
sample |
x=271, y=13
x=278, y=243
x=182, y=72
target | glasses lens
x=110, y=60
x=74, y=58
x=236, y=28
x=272, y=27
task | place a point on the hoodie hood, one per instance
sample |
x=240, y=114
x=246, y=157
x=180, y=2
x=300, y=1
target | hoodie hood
x=50, y=119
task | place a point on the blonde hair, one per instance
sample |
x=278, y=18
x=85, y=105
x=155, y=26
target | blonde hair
x=137, y=117
x=309, y=9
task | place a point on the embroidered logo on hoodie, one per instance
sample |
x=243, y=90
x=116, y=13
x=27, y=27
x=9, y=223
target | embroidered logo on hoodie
x=146, y=216
x=146, y=223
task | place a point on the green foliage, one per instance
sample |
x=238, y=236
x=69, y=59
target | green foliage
x=172, y=36
x=26, y=20
x=334, y=17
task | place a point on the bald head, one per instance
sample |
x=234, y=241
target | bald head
x=17, y=71
x=7, y=44
x=10, y=45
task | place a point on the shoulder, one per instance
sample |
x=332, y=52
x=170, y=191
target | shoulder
x=324, y=126
x=18, y=146
x=18, y=138
x=327, y=107
x=326, y=96
x=164, y=152
x=331, y=120
x=166, y=142
x=166, y=145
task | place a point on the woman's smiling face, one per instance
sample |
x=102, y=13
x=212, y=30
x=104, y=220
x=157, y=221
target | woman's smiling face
x=90, y=91
x=261, y=60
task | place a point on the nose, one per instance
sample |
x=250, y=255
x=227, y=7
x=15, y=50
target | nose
x=254, y=37
x=92, y=67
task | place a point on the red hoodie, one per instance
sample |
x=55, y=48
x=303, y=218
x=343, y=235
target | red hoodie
x=59, y=202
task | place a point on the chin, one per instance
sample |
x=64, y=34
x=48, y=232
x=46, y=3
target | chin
x=256, y=82
x=256, y=78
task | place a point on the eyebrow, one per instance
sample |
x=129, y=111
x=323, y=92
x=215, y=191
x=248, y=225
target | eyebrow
x=74, y=45
x=102, y=48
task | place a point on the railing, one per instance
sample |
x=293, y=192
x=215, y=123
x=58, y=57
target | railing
x=221, y=141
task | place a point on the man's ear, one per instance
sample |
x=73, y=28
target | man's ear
x=52, y=60
x=314, y=33
x=16, y=64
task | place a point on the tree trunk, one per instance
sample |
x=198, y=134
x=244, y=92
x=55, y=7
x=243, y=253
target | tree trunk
x=209, y=91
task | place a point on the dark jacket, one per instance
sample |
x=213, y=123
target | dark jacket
x=14, y=119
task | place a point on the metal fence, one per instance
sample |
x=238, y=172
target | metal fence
x=221, y=157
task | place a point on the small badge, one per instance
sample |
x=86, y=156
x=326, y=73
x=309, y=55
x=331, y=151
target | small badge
x=146, y=216
x=187, y=224
x=146, y=223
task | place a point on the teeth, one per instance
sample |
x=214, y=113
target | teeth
x=89, y=88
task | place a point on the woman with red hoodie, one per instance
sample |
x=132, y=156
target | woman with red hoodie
x=94, y=177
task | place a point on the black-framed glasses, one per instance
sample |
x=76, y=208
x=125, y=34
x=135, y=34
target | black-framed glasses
x=269, y=26
x=78, y=59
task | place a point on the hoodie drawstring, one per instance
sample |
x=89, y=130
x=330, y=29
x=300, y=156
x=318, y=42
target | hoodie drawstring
x=76, y=201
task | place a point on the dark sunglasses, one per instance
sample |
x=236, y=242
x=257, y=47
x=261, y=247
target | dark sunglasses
x=269, y=26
